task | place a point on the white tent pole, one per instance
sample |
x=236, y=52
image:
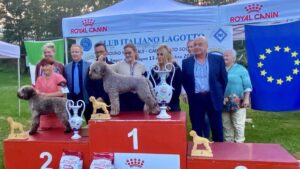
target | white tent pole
x=66, y=50
x=19, y=85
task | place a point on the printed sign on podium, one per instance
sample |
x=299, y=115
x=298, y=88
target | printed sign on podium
x=141, y=135
x=43, y=150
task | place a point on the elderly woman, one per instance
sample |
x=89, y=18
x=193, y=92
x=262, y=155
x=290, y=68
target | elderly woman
x=236, y=100
x=49, y=52
x=164, y=56
x=130, y=67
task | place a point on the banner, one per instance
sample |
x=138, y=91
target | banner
x=274, y=66
x=259, y=11
x=219, y=39
x=34, y=50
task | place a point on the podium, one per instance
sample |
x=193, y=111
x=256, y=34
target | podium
x=43, y=150
x=140, y=140
x=137, y=135
x=244, y=156
x=137, y=139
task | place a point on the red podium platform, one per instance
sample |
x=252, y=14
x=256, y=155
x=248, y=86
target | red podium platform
x=44, y=148
x=244, y=156
x=142, y=134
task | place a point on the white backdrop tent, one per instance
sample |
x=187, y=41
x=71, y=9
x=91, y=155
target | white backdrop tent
x=139, y=16
x=147, y=24
x=10, y=51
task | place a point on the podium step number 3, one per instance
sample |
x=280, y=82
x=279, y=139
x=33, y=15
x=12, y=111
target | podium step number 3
x=134, y=134
x=48, y=156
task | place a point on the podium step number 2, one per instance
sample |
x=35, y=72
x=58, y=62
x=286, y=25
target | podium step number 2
x=48, y=156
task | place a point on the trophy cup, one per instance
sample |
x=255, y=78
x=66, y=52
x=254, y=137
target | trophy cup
x=75, y=120
x=163, y=91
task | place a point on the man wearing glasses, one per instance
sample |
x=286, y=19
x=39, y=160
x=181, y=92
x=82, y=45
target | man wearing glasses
x=96, y=86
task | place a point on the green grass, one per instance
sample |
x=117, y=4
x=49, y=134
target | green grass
x=281, y=128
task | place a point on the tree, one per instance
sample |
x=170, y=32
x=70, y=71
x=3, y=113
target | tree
x=41, y=19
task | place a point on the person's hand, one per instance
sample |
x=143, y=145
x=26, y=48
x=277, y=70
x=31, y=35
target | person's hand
x=184, y=98
x=225, y=100
x=246, y=103
x=101, y=58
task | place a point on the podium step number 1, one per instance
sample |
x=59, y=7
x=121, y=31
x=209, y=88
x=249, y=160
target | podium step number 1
x=134, y=134
x=48, y=161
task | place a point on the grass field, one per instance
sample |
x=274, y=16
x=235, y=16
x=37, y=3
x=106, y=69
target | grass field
x=281, y=128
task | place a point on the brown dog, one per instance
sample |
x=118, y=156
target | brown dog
x=42, y=105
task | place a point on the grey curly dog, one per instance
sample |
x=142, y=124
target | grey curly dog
x=42, y=105
x=115, y=84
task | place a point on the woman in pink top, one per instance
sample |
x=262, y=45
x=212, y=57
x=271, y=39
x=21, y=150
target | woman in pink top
x=49, y=84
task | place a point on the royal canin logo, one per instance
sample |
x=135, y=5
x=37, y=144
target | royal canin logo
x=88, y=22
x=135, y=162
x=253, y=8
x=88, y=26
x=254, y=13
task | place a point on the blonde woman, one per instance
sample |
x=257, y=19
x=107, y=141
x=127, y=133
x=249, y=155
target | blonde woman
x=49, y=52
x=130, y=67
x=164, y=56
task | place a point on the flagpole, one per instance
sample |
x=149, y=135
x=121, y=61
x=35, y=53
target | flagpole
x=66, y=51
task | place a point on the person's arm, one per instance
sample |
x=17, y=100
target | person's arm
x=247, y=86
x=223, y=74
x=177, y=82
x=37, y=71
x=53, y=94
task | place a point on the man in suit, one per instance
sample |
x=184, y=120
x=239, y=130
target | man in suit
x=76, y=73
x=97, y=89
x=204, y=79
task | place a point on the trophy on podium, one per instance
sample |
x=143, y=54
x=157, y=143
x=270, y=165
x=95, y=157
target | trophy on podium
x=75, y=120
x=163, y=91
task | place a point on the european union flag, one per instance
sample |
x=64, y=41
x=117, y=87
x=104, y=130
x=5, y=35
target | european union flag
x=274, y=66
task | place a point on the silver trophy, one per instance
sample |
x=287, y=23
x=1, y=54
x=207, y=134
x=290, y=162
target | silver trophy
x=163, y=91
x=75, y=120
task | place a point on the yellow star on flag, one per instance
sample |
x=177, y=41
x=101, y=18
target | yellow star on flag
x=294, y=54
x=279, y=81
x=289, y=78
x=263, y=72
x=259, y=64
x=295, y=71
x=268, y=51
x=270, y=79
x=277, y=48
x=297, y=62
x=262, y=57
x=287, y=49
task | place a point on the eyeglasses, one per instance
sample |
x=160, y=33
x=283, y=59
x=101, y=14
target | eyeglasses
x=128, y=53
x=75, y=52
x=99, y=52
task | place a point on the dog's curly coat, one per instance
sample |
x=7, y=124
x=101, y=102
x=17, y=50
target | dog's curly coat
x=42, y=105
x=115, y=84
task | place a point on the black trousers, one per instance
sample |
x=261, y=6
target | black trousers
x=199, y=104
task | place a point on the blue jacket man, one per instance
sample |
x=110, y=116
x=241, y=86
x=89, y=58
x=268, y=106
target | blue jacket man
x=204, y=79
x=76, y=74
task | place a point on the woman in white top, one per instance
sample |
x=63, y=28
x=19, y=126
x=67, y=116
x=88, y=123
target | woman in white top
x=130, y=67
